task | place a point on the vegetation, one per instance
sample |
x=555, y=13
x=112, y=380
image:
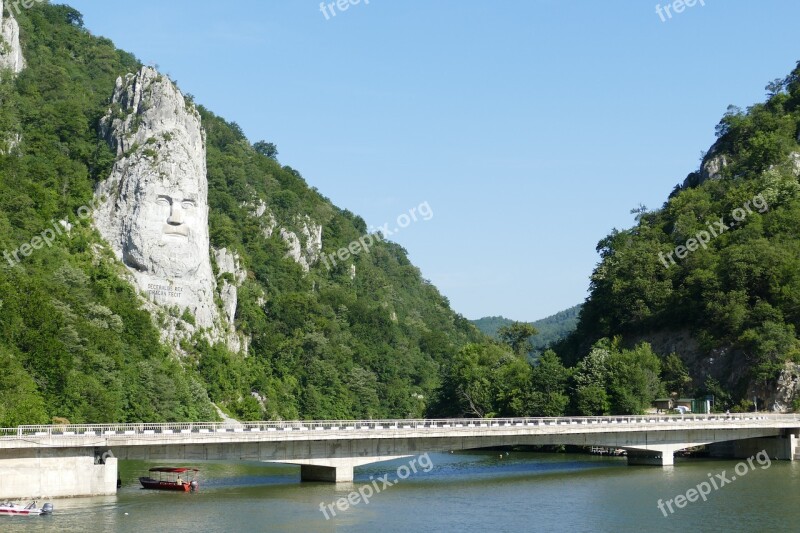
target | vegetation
x=491, y=379
x=75, y=342
x=738, y=297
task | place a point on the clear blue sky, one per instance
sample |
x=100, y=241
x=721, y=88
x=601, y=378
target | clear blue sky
x=531, y=127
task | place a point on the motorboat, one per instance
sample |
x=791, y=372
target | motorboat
x=11, y=508
x=171, y=478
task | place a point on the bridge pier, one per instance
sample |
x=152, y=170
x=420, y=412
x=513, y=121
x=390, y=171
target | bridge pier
x=651, y=457
x=783, y=447
x=56, y=473
x=329, y=474
x=335, y=470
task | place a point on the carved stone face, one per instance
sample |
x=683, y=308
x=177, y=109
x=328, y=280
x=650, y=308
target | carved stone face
x=168, y=226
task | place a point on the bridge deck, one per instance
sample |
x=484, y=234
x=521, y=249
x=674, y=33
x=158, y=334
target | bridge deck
x=148, y=434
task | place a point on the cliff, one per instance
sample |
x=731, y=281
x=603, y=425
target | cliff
x=10, y=49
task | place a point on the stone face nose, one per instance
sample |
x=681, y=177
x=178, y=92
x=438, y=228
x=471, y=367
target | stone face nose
x=175, y=214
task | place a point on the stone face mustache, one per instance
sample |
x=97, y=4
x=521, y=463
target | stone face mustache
x=181, y=231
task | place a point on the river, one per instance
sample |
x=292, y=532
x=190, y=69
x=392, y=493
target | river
x=474, y=491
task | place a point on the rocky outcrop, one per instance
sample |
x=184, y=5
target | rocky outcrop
x=780, y=395
x=10, y=50
x=305, y=248
x=713, y=164
x=153, y=208
x=229, y=263
x=267, y=220
x=302, y=235
x=794, y=157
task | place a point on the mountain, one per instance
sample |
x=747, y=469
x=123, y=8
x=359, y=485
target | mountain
x=551, y=329
x=156, y=263
x=489, y=325
x=713, y=276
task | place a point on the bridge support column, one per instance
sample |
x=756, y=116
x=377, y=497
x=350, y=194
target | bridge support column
x=783, y=447
x=334, y=470
x=330, y=474
x=651, y=457
x=53, y=473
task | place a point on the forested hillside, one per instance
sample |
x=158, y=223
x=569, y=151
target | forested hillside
x=365, y=339
x=714, y=275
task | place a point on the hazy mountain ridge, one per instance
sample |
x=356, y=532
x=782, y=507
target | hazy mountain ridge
x=551, y=329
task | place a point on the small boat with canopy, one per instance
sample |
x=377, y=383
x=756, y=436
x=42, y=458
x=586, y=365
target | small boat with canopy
x=171, y=478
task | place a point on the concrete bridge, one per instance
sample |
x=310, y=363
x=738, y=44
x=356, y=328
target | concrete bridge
x=79, y=460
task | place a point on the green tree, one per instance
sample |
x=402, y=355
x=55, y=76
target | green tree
x=266, y=149
x=590, y=379
x=633, y=379
x=518, y=337
x=549, y=379
x=485, y=380
x=675, y=375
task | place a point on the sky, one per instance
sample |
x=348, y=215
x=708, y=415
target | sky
x=529, y=128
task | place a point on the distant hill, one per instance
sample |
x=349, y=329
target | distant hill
x=551, y=329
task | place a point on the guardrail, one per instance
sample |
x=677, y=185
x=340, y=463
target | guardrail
x=194, y=428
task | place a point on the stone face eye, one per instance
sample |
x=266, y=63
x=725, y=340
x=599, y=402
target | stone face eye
x=163, y=200
x=187, y=204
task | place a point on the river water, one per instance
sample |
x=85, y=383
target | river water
x=475, y=491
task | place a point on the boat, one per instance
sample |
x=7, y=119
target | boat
x=171, y=478
x=11, y=508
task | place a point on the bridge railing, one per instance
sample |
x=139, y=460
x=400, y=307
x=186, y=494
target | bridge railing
x=192, y=428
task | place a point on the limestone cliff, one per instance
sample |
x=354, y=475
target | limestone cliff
x=10, y=49
x=304, y=243
x=230, y=276
x=305, y=246
x=153, y=208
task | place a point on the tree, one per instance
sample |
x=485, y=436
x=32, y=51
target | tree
x=633, y=379
x=675, y=375
x=518, y=336
x=266, y=149
x=549, y=380
x=486, y=380
x=612, y=380
x=590, y=379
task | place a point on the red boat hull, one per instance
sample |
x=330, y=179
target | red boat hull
x=150, y=483
x=20, y=513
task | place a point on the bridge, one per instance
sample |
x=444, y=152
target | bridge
x=81, y=460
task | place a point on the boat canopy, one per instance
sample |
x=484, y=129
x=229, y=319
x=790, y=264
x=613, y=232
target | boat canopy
x=172, y=469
